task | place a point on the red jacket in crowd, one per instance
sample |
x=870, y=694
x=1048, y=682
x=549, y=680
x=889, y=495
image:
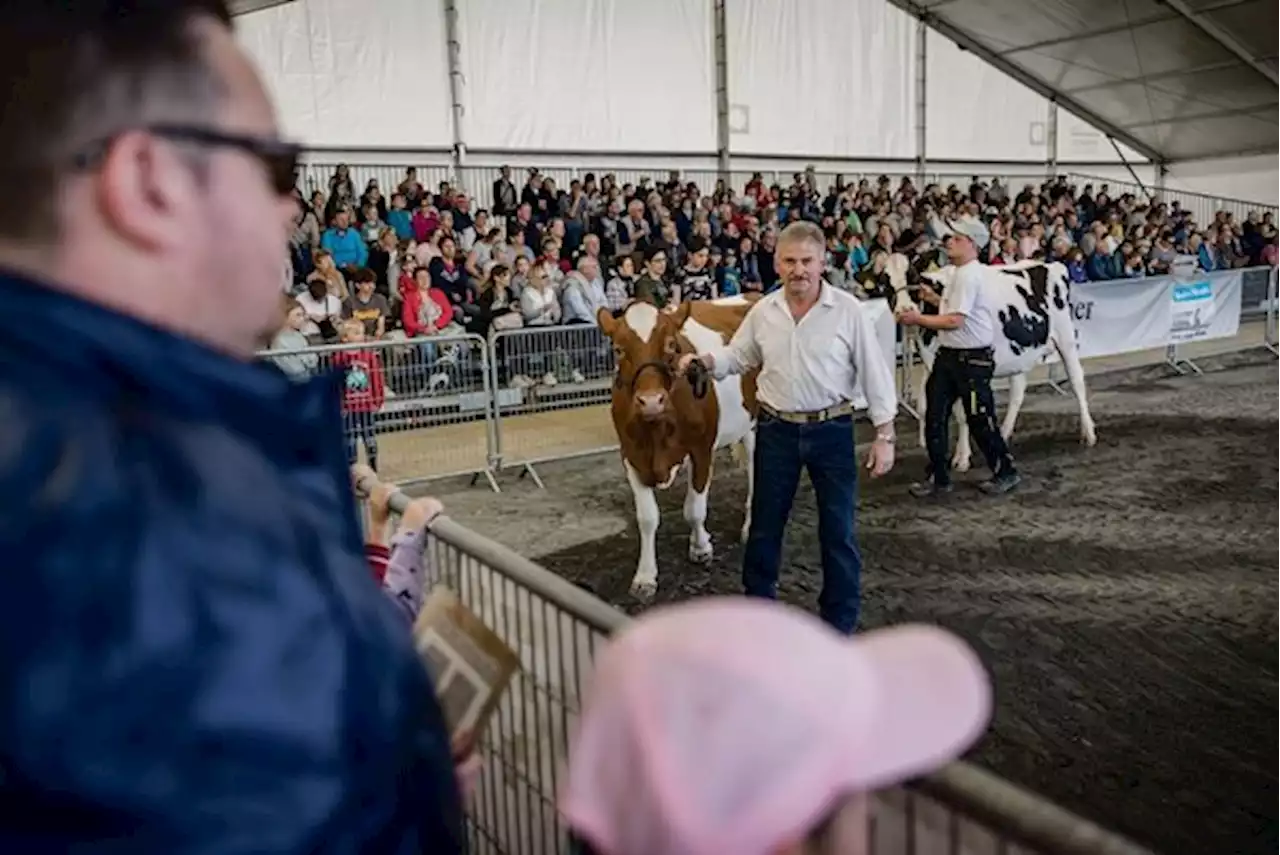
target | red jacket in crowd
x=364, y=391
x=412, y=315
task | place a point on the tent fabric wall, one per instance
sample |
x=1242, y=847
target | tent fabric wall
x=1078, y=141
x=822, y=78
x=344, y=77
x=1255, y=179
x=825, y=80
x=591, y=75
x=977, y=113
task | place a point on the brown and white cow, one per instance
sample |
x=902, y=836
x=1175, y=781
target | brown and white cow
x=665, y=420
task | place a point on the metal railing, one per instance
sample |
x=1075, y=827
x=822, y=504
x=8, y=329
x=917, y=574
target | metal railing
x=540, y=373
x=477, y=181
x=435, y=419
x=556, y=628
x=1203, y=206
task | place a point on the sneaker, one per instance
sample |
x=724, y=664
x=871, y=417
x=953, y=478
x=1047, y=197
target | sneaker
x=1001, y=485
x=549, y=379
x=577, y=377
x=930, y=490
x=438, y=381
x=521, y=381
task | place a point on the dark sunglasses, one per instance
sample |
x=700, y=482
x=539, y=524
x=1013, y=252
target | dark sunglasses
x=278, y=158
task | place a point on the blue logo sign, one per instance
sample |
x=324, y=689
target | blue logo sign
x=1192, y=292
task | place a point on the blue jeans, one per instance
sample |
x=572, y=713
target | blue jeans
x=826, y=449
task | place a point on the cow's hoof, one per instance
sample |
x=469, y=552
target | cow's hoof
x=644, y=589
x=701, y=555
x=1090, y=439
x=960, y=464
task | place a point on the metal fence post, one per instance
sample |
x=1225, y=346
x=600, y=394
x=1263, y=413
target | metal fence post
x=906, y=394
x=495, y=388
x=1269, y=338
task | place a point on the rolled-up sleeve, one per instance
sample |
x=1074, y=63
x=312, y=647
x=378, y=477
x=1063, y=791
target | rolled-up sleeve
x=743, y=351
x=874, y=373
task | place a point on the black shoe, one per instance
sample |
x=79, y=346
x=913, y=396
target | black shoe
x=930, y=490
x=1000, y=485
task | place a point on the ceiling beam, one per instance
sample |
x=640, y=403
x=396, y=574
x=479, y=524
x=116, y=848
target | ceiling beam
x=1199, y=117
x=244, y=7
x=1124, y=26
x=1222, y=37
x=1020, y=74
x=1173, y=74
x=1113, y=28
x=1255, y=151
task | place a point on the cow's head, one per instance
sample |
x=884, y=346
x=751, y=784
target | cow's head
x=647, y=347
x=899, y=269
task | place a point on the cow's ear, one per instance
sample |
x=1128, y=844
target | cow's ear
x=607, y=322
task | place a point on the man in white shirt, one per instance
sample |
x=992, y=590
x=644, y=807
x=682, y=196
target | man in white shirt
x=966, y=327
x=811, y=342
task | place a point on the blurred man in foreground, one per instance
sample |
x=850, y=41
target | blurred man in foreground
x=194, y=655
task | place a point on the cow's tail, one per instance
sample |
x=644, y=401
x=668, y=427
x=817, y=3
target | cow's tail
x=738, y=454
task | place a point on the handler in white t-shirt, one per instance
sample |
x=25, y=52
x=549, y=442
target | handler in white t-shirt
x=962, y=370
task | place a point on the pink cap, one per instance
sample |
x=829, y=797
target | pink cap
x=735, y=725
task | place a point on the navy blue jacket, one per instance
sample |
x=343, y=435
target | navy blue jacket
x=194, y=657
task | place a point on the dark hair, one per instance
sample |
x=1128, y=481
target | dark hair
x=653, y=250
x=364, y=274
x=73, y=74
x=498, y=270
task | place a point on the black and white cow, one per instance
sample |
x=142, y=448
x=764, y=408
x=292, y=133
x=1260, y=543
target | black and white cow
x=1033, y=322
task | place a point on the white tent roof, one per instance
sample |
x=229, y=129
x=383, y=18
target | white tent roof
x=1173, y=79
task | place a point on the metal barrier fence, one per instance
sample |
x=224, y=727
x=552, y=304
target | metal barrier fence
x=1203, y=206
x=556, y=629
x=433, y=418
x=461, y=405
x=539, y=374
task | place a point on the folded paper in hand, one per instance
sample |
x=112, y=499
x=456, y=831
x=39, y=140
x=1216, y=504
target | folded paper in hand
x=469, y=664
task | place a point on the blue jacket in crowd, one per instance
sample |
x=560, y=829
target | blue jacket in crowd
x=194, y=655
x=347, y=246
x=401, y=222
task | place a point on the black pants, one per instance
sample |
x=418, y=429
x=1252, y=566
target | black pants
x=964, y=375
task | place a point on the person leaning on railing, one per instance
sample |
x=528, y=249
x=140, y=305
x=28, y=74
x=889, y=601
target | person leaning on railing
x=401, y=565
x=195, y=656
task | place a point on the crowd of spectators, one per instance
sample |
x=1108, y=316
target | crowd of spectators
x=419, y=262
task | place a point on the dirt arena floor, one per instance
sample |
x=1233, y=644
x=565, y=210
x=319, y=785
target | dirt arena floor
x=1124, y=600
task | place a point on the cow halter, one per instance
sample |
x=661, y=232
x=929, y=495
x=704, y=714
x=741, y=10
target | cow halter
x=696, y=375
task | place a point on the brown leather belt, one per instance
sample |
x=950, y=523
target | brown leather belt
x=810, y=417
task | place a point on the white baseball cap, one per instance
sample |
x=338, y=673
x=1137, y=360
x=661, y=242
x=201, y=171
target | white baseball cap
x=970, y=227
x=731, y=724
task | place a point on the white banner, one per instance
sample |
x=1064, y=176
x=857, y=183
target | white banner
x=886, y=333
x=1206, y=307
x=1121, y=316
